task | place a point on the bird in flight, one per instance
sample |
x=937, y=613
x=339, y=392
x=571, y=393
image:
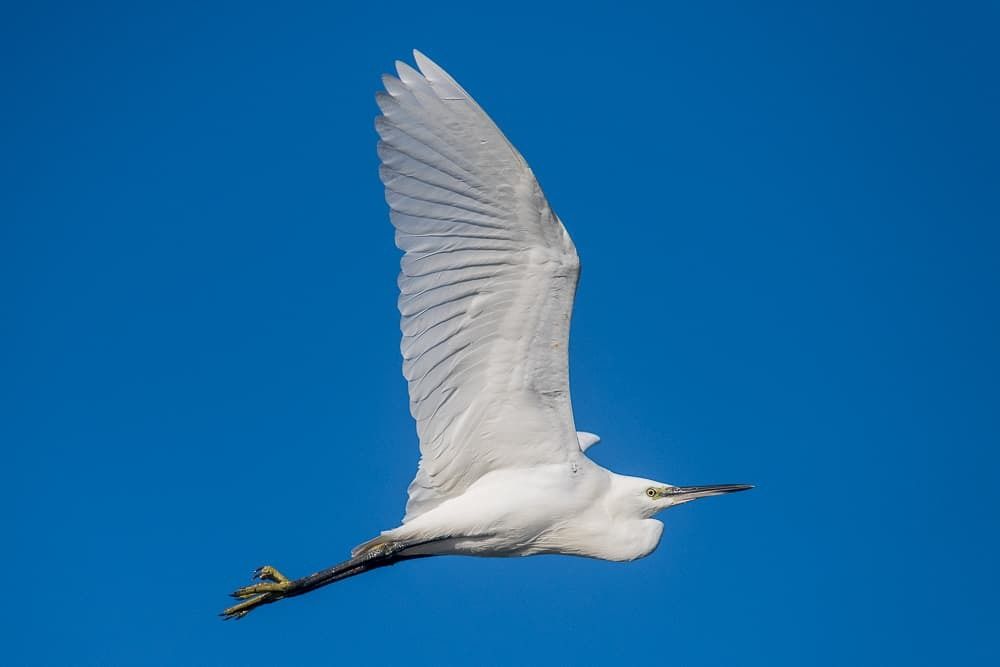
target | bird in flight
x=486, y=288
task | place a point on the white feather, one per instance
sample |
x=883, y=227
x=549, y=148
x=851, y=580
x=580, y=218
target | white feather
x=587, y=440
x=486, y=289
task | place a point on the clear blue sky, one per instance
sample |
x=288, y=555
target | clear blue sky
x=788, y=220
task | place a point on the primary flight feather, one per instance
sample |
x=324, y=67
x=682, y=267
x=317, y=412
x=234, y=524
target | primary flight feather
x=486, y=290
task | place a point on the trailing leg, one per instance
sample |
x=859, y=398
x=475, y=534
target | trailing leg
x=275, y=586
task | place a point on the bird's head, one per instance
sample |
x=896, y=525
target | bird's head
x=651, y=497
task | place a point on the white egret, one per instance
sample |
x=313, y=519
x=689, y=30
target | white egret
x=486, y=292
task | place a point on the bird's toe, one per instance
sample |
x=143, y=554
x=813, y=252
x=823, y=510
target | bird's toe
x=270, y=587
x=268, y=573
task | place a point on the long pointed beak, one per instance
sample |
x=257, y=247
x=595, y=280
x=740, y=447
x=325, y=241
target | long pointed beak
x=685, y=494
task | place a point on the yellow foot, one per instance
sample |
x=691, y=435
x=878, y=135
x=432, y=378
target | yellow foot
x=268, y=573
x=273, y=587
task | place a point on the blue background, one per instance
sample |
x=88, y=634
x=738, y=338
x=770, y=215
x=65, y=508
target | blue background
x=788, y=222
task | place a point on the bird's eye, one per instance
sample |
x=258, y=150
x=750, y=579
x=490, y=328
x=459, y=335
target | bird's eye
x=651, y=492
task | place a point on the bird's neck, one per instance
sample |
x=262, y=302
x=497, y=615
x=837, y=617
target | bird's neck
x=633, y=539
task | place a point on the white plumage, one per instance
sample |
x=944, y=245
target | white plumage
x=487, y=282
x=486, y=294
x=486, y=289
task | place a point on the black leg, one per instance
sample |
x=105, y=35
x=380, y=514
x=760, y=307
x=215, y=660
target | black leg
x=275, y=586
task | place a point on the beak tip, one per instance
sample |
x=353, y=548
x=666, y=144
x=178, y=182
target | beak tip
x=693, y=492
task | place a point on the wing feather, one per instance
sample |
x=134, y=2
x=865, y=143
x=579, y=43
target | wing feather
x=487, y=281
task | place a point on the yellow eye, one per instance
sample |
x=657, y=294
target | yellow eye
x=651, y=492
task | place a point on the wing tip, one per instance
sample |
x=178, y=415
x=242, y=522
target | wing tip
x=423, y=62
x=407, y=74
x=435, y=73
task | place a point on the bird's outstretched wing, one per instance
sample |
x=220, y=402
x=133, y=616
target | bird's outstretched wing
x=486, y=288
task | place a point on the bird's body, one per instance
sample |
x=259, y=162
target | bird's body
x=487, y=283
x=559, y=508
